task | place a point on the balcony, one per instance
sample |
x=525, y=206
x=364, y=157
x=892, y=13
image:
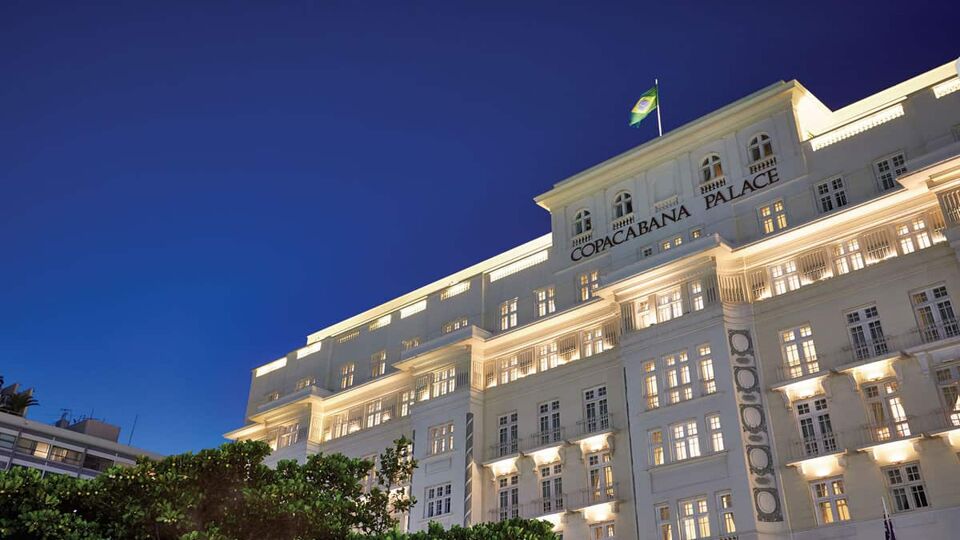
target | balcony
x=804, y=370
x=594, y=426
x=622, y=222
x=582, y=238
x=547, y=506
x=932, y=333
x=763, y=165
x=874, y=434
x=504, y=513
x=804, y=448
x=869, y=350
x=545, y=439
x=713, y=184
x=597, y=495
x=503, y=450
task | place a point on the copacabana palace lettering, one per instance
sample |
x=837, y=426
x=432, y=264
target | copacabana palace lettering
x=710, y=200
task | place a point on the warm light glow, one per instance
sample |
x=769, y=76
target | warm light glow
x=309, y=349
x=594, y=443
x=894, y=452
x=381, y=322
x=413, y=308
x=546, y=455
x=954, y=437
x=599, y=512
x=946, y=87
x=455, y=289
x=856, y=127
x=803, y=389
x=555, y=519
x=503, y=466
x=517, y=266
x=874, y=371
x=272, y=366
x=820, y=467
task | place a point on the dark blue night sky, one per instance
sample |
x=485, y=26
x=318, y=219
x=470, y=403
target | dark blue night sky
x=187, y=189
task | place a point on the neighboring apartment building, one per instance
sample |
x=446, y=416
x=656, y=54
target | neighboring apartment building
x=743, y=328
x=83, y=449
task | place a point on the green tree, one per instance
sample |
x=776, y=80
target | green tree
x=229, y=494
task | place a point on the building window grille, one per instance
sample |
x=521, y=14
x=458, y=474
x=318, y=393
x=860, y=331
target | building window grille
x=507, y=434
x=913, y=236
x=589, y=282
x=707, y=377
x=455, y=325
x=444, y=381
x=546, y=302
x=831, y=195
x=622, y=205
x=715, y=432
x=677, y=374
x=600, y=476
x=847, y=256
x=411, y=343
x=549, y=422
x=948, y=384
x=441, y=439
x=816, y=429
x=669, y=305
x=885, y=411
x=760, y=147
x=686, y=440
x=830, y=499
x=593, y=341
x=438, y=500
x=547, y=356
x=305, y=382
x=934, y=311
x=907, y=490
x=695, y=518
x=288, y=435
x=696, y=295
x=773, y=217
x=595, y=412
x=582, y=222
x=725, y=508
x=346, y=375
x=888, y=169
x=508, y=314
x=551, y=489
x=375, y=413
x=657, y=457
x=508, y=497
x=650, y=387
x=671, y=243
x=378, y=364
x=710, y=168
x=799, y=352
x=603, y=531
x=867, y=339
x=664, y=522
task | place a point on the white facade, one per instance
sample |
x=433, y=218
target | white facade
x=743, y=328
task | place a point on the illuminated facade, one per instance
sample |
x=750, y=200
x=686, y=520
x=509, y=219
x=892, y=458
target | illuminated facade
x=743, y=328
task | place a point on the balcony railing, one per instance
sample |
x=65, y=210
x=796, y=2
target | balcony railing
x=879, y=433
x=504, y=449
x=596, y=424
x=811, y=447
x=504, y=513
x=582, y=238
x=713, y=184
x=622, y=222
x=815, y=367
x=763, y=164
x=547, y=506
x=545, y=438
x=597, y=495
x=942, y=420
x=870, y=349
x=931, y=333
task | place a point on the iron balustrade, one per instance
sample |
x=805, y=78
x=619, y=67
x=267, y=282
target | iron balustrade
x=595, y=424
x=546, y=438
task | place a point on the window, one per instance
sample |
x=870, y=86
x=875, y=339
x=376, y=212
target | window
x=686, y=442
x=370, y=479
x=441, y=439
x=547, y=357
x=847, y=256
x=695, y=518
x=669, y=305
x=589, y=283
x=888, y=169
x=710, y=168
x=582, y=223
x=380, y=323
x=647, y=251
x=650, y=389
x=600, y=476
x=831, y=195
x=508, y=314
x=887, y=418
x=593, y=341
x=378, y=364
x=271, y=396
x=545, y=301
x=622, y=205
x=773, y=217
x=671, y=243
x=444, y=381
x=455, y=325
x=508, y=497
x=655, y=442
x=785, y=277
x=411, y=343
x=288, y=435
x=866, y=333
x=948, y=384
x=799, y=353
x=438, y=500
x=816, y=429
x=407, y=399
x=595, y=413
x=375, y=413
x=714, y=432
x=600, y=531
x=830, y=500
x=934, y=311
x=551, y=488
x=760, y=147
x=507, y=434
x=516, y=366
x=907, y=491
x=305, y=382
x=664, y=522
x=549, y=422
x=696, y=294
x=454, y=290
x=696, y=233
x=707, y=377
x=346, y=375
x=725, y=511
x=913, y=236
x=677, y=372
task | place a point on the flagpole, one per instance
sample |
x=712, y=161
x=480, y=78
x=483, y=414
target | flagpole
x=656, y=83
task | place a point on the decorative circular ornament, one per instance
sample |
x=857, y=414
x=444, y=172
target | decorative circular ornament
x=766, y=502
x=746, y=379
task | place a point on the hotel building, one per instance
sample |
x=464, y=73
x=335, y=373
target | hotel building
x=741, y=329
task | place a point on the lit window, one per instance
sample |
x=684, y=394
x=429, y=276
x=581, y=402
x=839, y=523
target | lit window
x=444, y=381
x=508, y=314
x=380, y=323
x=454, y=290
x=411, y=343
x=551, y=489
x=671, y=243
x=677, y=373
x=655, y=438
x=455, y=325
x=348, y=336
x=831, y=195
x=378, y=364
x=664, y=522
x=288, y=435
x=847, y=256
x=715, y=433
x=407, y=399
x=686, y=442
x=600, y=477
x=346, y=375
x=644, y=315
x=760, y=147
x=669, y=305
x=913, y=236
x=650, y=389
x=589, y=283
x=830, y=499
x=582, y=223
x=600, y=531
x=696, y=295
x=438, y=500
x=799, y=352
x=622, y=205
x=305, y=382
x=695, y=519
x=885, y=412
x=441, y=439
x=593, y=341
x=725, y=510
x=546, y=303
x=773, y=217
x=907, y=490
x=888, y=169
x=696, y=233
x=707, y=376
x=710, y=168
x=785, y=277
x=508, y=437
x=375, y=413
x=867, y=339
x=508, y=497
x=934, y=311
x=549, y=422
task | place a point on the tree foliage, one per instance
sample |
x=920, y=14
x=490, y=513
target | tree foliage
x=229, y=494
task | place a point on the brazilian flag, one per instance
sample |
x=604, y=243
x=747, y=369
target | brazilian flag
x=645, y=105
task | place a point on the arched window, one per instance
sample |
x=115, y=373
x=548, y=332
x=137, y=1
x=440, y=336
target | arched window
x=582, y=222
x=622, y=205
x=710, y=168
x=760, y=147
